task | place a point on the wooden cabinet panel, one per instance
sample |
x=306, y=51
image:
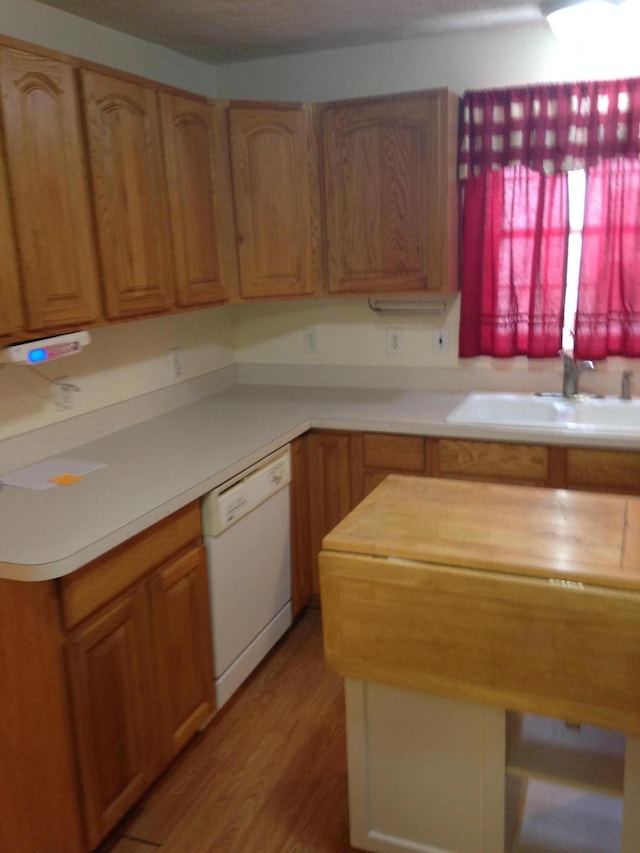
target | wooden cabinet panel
x=329, y=488
x=129, y=187
x=603, y=470
x=492, y=461
x=271, y=150
x=375, y=455
x=113, y=691
x=201, y=209
x=140, y=663
x=11, y=316
x=390, y=193
x=84, y=591
x=394, y=452
x=49, y=190
x=183, y=652
x=301, y=557
x=40, y=809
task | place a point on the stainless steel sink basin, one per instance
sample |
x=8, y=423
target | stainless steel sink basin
x=605, y=414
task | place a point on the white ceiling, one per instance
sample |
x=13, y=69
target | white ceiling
x=219, y=31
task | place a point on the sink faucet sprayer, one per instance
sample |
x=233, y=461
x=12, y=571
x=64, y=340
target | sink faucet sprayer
x=571, y=371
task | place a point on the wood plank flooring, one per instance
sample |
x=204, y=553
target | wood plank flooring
x=269, y=774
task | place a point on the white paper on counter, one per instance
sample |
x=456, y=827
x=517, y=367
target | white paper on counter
x=39, y=476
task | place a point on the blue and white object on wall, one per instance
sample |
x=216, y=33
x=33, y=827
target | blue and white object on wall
x=46, y=349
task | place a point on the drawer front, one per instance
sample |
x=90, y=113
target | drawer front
x=615, y=470
x=84, y=591
x=394, y=452
x=515, y=463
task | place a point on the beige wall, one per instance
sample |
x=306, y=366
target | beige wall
x=126, y=361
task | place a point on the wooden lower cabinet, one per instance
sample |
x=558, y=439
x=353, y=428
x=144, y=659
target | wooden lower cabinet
x=343, y=467
x=114, y=701
x=375, y=455
x=182, y=649
x=140, y=666
x=330, y=497
x=495, y=462
x=301, y=562
x=603, y=470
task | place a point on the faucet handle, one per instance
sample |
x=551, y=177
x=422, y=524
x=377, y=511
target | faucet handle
x=625, y=385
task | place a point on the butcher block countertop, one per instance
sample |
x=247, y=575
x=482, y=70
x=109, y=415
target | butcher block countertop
x=521, y=597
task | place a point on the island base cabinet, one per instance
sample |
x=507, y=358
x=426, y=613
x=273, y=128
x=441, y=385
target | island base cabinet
x=426, y=773
x=440, y=775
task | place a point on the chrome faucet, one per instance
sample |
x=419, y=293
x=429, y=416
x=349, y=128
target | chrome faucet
x=571, y=371
x=625, y=385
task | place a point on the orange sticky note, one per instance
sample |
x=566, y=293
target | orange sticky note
x=66, y=479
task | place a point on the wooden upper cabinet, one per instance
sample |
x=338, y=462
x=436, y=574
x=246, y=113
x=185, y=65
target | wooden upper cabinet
x=200, y=200
x=129, y=187
x=390, y=193
x=11, y=318
x=273, y=166
x=49, y=190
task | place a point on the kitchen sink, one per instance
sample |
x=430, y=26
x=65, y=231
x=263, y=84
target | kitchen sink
x=510, y=409
x=608, y=412
x=548, y=412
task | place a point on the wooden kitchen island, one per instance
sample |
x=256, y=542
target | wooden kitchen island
x=489, y=637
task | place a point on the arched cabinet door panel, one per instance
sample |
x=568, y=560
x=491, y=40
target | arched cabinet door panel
x=390, y=193
x=200, y=200
x=11, y=316
x=130, y=195
x=49, y=190
x=272, y=164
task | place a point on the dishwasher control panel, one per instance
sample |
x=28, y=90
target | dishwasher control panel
x=238, y=496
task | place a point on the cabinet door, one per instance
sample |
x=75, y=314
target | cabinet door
x=389, y=193
x=376, y=455
x=129, y=187
x=301, y=559
x=183, y=650
x=492, y=461
x=603, y=470
x=49, y=190
x=114, y=702
x=201, y=209
x=270, y=161
x=11, y=318
x=329, y=489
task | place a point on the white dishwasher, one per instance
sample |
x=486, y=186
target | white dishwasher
x=246, y=527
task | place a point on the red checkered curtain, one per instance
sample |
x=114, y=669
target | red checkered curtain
x=608, y=311
x=515, y=237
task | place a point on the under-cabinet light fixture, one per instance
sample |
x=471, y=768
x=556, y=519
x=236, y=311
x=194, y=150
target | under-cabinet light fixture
x=407, y=306
x=46, y=349
x=580, y=21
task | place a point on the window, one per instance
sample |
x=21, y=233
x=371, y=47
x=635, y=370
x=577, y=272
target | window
x=577, y=187
x=551, y=220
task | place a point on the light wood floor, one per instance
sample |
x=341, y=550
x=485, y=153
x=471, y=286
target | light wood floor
x=268, y=775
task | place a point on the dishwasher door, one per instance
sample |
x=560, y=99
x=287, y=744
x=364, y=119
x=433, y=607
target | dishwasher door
x=249, y=567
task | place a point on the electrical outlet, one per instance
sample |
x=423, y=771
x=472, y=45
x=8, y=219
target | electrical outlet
x=310, y=339
x=63, y=391
x=175, y=362
x=395, y=340
x=441, y=340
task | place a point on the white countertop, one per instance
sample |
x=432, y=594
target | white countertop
x=155, y=467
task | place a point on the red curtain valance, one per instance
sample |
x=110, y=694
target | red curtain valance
x=550, y=128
